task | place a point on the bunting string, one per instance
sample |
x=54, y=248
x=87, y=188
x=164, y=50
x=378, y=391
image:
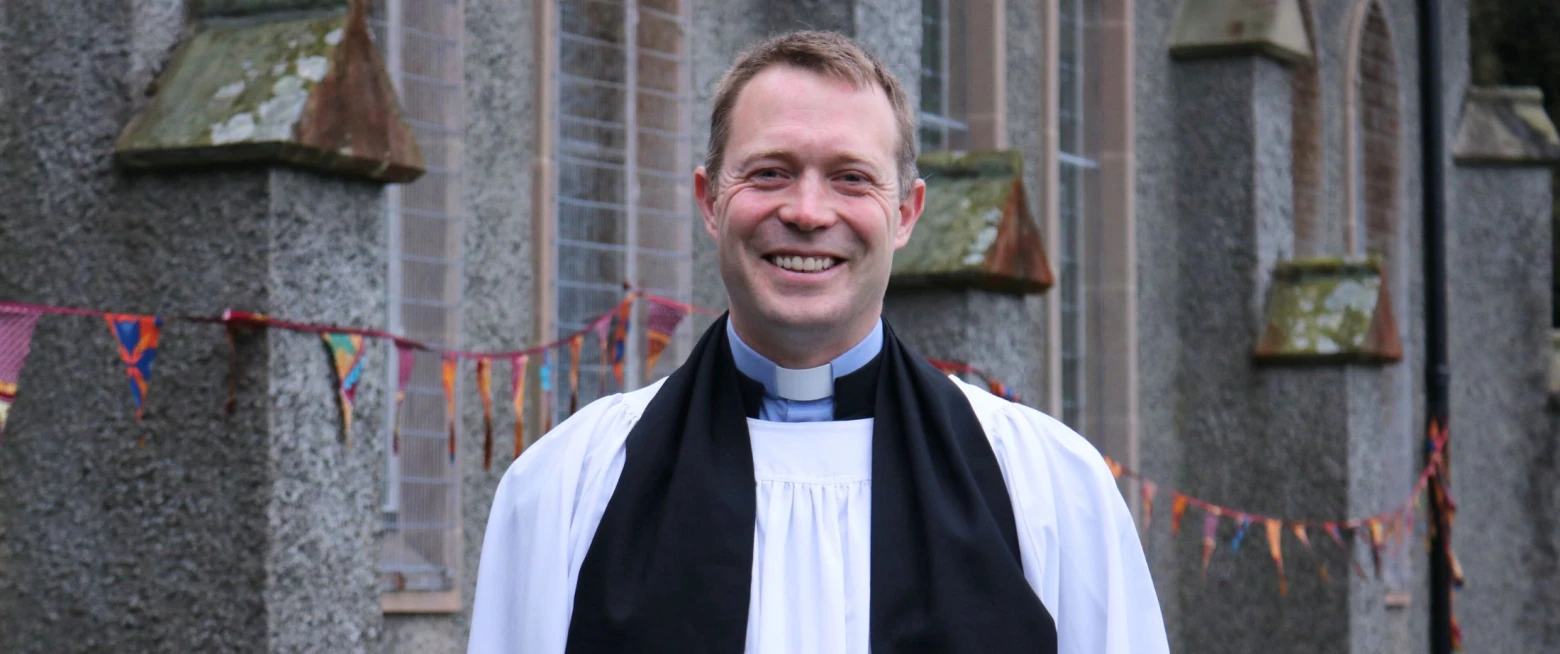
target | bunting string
x=137, y=338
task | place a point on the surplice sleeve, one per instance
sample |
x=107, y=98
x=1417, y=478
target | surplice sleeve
x=1080, y=547
x=544, y=515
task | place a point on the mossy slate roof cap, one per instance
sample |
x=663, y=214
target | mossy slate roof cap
x=976, y=229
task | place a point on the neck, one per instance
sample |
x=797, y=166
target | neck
x=801, y=348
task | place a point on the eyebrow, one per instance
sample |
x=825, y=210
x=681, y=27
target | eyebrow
x=788, y=156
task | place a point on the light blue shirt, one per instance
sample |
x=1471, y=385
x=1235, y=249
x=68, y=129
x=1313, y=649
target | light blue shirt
x=779, y=409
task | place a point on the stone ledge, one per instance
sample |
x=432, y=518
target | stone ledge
x=309, y=90
x=1228, y=28
x=976, y=230
x=1554, y=370
x=1329, y=310
x=1505, y=125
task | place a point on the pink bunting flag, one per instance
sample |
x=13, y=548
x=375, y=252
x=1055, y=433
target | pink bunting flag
x=405, y=361
x=485, y=392
x=1210, y=537
x=517, y=398
x=16, y=331
x=346, y=355
x=1275, y=536
x=137, y=338
x=1177, y=510
x=448, y=377
x=661, y=322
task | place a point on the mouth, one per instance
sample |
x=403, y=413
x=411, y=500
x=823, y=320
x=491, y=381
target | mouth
x=803, y=264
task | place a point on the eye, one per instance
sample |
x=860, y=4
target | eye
x=854, y=178
x=764, y=174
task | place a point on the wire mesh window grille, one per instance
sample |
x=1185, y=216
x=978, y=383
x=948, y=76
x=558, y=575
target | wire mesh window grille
x=624, y=178
x=421, y=42
x=944, y=115
x=1076, y=171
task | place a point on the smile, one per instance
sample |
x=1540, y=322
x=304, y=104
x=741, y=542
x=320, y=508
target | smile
x=803, y=264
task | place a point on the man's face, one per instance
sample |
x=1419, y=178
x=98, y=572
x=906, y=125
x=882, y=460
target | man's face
x=807, y=210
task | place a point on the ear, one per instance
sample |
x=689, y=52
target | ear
x=706, y=198
x=909, y=212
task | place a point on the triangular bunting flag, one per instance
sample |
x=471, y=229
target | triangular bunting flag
x=1375, y=544
x=346, y=358
x=547, y=391
x=485, y=391
x=1177, y=509
x=16, y=330
x=602, y=328
x=661, y=320
x=136, y=337
x=448, y=378
x=1240, y=533
x=625, y=315
x=574, y=372
x=1148, y=490
x=517, y=398
x=1305, y=539
x=1210, y=535
x=1275, y=535
x=405, y=361
x=1115, y=468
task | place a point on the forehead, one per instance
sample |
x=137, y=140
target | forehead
x=788, y=109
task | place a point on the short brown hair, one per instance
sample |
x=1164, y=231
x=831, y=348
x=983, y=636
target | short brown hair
x=827, y=53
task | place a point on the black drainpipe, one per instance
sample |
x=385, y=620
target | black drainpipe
x=1437, y=371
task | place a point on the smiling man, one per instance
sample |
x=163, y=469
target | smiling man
x=804, y=482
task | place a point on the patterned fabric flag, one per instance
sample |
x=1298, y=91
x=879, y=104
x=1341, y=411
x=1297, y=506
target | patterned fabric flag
x=450, y=364
x=137, y=339
x=405, y=360
x=485, y=391
x=1275, y=536
x=998, y=389
x=661, y=322
x=625, y=315
x=1148, y=490
x=1210, y=535
x=574, y=372
x=1177, y=509
x=346, y=355
x=517, y=398
x=1240, y=534
x=16, y=330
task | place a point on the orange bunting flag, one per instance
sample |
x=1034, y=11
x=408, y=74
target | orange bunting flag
x=1177, y=509
x=1115, y=468
x=1375, y=544
x=485, y=391
x=661, y=320
x=449, y=400
x=1148, y=490
x=574, y=372
x=1305, y=539
x=346, y=353
x=517, y=398
x=1210, y=534
x=603, y=331
x=1275, y=534
x=625, y=315
x=405, y=361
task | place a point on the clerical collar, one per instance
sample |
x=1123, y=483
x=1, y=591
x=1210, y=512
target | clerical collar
x=803, y=385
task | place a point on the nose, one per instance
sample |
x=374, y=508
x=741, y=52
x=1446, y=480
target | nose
x=809, y=208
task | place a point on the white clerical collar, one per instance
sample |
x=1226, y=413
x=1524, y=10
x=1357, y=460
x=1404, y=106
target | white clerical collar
x=803, y=385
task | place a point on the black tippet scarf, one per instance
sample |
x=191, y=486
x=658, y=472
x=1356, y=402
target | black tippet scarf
x=670, y=567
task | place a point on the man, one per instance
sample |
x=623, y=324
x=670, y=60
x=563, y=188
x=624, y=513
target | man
x=804, y=482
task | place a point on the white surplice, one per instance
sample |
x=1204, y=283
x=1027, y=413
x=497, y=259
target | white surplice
x=811, y=553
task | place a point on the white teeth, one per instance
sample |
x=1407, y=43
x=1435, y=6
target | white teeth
x=805, y=264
